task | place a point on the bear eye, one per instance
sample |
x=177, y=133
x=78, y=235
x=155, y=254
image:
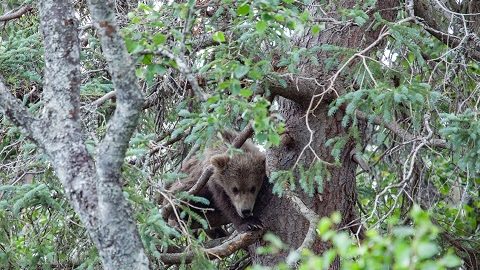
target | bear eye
x=235, y=190
x=252, y=190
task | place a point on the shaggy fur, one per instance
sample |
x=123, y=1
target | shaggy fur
x=234, y=185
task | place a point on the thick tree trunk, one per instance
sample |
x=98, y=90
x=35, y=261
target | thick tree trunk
x=338, y=193
x=278, y=214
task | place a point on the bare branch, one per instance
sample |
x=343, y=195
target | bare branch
x=99, y=102
x=225, y=249
x=16, y=14
x=185, y=69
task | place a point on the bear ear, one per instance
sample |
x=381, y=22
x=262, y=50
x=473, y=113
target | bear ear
x=228, y=136
x=220, y=161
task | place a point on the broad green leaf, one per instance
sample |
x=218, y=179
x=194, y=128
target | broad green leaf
x=219, y=37
x=261, y=26
x=243, y=9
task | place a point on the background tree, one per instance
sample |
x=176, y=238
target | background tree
x=325, y=86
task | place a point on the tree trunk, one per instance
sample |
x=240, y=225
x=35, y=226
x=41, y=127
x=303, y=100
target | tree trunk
x=338, y=192
x=278, y=214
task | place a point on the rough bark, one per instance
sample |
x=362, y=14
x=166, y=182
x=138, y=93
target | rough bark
x=94, y=190
x=60, y=131
x=279, y=214
x=120, y=242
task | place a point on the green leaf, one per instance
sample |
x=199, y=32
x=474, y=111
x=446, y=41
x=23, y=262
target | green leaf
x=317, y=28
x=235, y=86
x=450, y=260
x=131, y=44
x=246, y=92
x=243, y=10
x=342, y=242
x=219, y=37
x=241, y=71
x=183, y=113
x=323, y=226
x=427, y=250
x=159, y=38
x=261, y=26
x=255, y=74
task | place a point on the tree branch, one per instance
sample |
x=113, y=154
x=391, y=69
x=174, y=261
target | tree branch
x=312, y=217
x=16, y=14
x=437, y=22
x=225, y=249
x=121, y=247
x=14, y=110
x=399, y=131
x=299, y=90
x=185, y=69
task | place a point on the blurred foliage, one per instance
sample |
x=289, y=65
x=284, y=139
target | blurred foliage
x=408, y=246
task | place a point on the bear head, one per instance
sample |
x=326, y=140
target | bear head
x=241, y=176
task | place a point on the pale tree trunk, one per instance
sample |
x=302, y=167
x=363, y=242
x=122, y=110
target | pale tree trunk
x=279, y=214
x=93, y=187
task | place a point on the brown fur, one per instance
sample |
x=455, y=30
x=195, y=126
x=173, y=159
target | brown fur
x=234, y=185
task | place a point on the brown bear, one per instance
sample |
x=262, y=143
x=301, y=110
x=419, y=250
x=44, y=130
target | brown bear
x=234, y=185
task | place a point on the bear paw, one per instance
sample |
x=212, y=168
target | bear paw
x=250, y=224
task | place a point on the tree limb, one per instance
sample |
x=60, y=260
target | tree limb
x=437, y=21
x=185, y=69
x=397, y=130
x=312, y=217
x=125, y=252
x=299, y=90
x=14, y=110
x=16, y=14
x=225, y=249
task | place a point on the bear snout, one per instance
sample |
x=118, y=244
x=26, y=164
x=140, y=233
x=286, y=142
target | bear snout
x=246, y=212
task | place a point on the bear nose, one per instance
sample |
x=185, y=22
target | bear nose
x=246, y=213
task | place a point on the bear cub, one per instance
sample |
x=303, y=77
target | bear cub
x=234, y=185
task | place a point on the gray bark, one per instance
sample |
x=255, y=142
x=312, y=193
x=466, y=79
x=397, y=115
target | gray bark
x=94, y=190
x=120, y=242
